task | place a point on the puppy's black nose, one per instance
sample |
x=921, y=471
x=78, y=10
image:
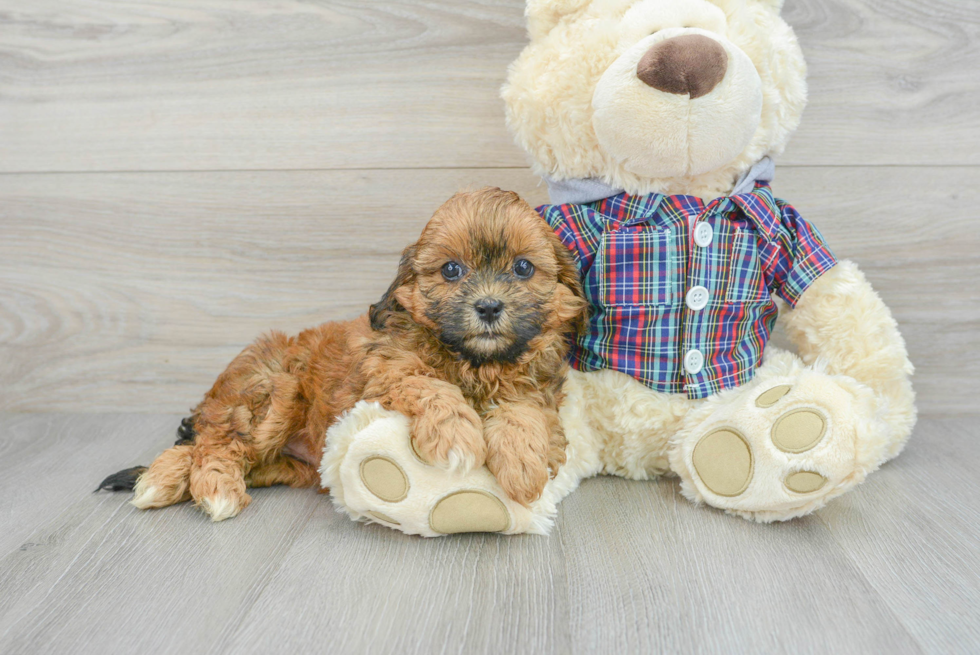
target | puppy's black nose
x=488, y=309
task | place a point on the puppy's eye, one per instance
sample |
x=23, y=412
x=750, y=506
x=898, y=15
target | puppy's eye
x=452, y=271
x=523, y=269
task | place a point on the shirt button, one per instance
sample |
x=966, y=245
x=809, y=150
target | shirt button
x=703, y=234
x=697, y=298
x=693, y=361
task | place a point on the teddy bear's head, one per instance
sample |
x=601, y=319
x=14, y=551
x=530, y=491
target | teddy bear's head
x=672, y=96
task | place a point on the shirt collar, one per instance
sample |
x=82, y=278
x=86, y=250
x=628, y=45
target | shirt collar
x=758, y=206
x=627, y=210
x=584, y=191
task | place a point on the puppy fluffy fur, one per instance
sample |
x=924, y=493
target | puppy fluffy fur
x=479, y=385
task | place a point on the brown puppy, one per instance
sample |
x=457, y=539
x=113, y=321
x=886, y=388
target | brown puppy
x=469, y=342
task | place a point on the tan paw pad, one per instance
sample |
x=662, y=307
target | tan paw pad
x=805, y=482
x=723, y=461
x=799, y=430
x=382, y=517
x=384, y=478
x=772, y=396
x=469, y=511
x=415, y=452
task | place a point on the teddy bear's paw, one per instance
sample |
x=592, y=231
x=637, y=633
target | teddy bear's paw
x=375, y=474
x=783, y=448
x=465, y=510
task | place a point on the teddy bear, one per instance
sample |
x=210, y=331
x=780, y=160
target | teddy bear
x=655, y=124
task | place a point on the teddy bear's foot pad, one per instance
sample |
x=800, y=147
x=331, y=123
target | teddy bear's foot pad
x=805, y=482
x=799, y=430
x=469, y=511
x=723, y=461
x=781, y=449
x=385, y=479
x=772, y=396
x=384, y=518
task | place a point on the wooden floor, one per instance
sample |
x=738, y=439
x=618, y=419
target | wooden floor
x=177, y=176
x=631, y=567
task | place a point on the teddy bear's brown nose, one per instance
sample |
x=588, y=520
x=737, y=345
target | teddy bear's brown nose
x=689, y=64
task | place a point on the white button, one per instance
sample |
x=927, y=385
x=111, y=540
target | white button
x=693, y=361
x=703, y=234
x=697, y=297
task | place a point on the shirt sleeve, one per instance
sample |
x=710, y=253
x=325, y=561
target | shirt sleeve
x=796, y=257
x=579, y=227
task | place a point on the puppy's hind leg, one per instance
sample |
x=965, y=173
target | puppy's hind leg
x=217, y=480
x=166, y=481
x=186, y=432
x=171, y=473
x=286, y=470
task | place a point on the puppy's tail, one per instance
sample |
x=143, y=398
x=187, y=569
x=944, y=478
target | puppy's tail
x=166, y=481
x=124, y=480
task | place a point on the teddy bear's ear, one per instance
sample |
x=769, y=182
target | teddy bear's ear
x=542, y=15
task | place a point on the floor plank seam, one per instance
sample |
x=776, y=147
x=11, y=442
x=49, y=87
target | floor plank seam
x=235, y=624
x=68, y=567
x=871, y=588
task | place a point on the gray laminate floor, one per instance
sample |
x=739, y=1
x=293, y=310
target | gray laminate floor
x=631, y=567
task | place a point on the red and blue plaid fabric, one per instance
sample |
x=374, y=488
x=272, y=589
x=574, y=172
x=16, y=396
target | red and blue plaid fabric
x=638, y=259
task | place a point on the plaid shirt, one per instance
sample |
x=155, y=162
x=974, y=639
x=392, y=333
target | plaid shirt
x=679, y=306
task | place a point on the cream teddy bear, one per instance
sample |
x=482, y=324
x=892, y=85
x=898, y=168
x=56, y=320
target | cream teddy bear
x=654, y=123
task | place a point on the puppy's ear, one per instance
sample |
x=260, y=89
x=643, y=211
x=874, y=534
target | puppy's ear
x=390, y=303
x=567, y=269
x=573, y=309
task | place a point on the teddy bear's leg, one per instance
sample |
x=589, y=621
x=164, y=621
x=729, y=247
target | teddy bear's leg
x=782, y=445
x=373, y=474
x=805, y=430
x=841, y=322
x=624, y=425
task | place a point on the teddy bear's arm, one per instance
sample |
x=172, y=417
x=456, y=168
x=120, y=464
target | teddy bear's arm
x=841, y=322
x=837, y=321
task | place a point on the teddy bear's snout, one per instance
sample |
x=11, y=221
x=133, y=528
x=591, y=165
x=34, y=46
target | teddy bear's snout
x=690, y=64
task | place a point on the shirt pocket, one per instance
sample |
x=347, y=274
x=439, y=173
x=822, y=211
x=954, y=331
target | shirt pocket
x=745, y=281
x=634, y=268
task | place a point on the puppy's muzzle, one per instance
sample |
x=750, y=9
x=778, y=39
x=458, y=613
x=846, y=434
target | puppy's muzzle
x=489, y=309
x=690, y=64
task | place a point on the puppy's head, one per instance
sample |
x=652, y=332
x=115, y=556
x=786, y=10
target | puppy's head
x=488, y=277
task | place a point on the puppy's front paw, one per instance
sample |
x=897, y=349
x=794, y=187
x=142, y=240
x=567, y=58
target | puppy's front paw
x=450, y=435
x=556, y=452
x=522, y=476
